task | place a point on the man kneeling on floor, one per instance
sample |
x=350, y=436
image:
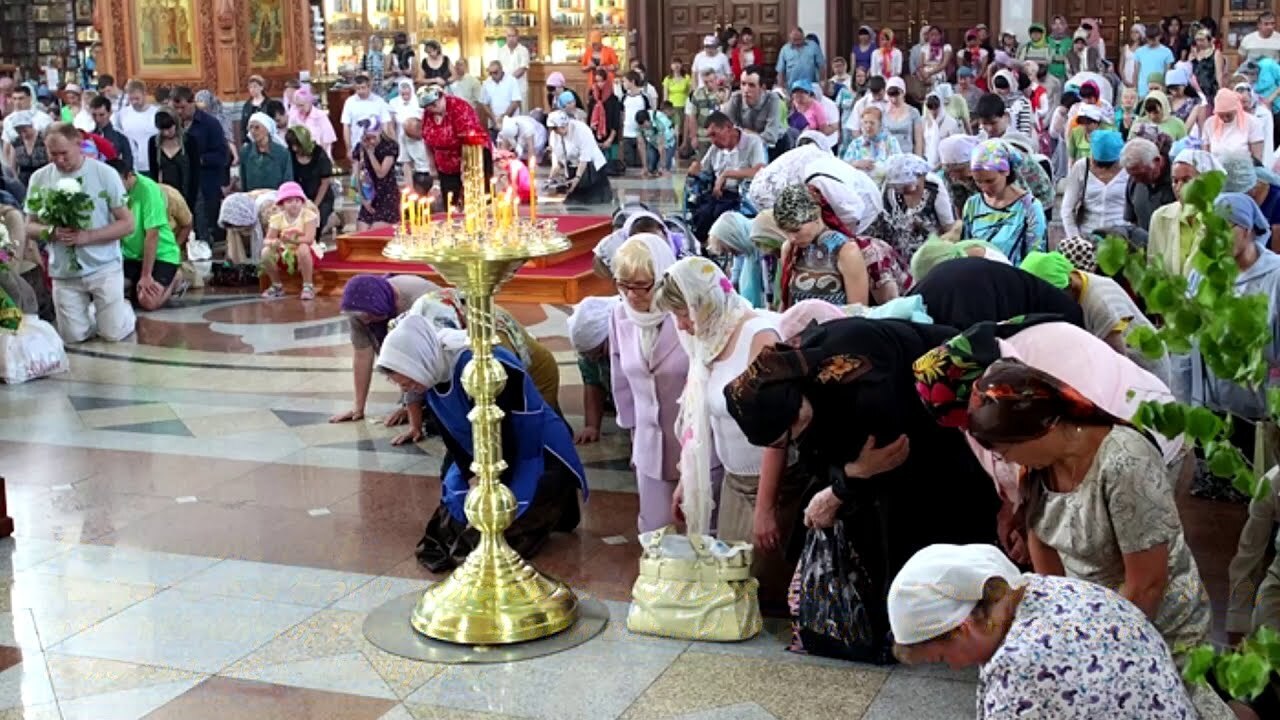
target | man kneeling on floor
x=85, y=264
x=152, y=259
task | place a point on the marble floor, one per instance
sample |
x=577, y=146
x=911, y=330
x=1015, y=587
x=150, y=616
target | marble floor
x=194, y=540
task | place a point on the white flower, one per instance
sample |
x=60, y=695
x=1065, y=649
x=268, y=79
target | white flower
x=67, y=185
x=6, y=242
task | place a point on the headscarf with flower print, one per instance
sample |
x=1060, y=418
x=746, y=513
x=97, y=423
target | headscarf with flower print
x=303, y=136
x=1014, y=403
x=715, y=309
x=945, y=375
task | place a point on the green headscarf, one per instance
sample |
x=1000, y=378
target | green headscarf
x=303, y=136
x=936, y=251
x=1043, y=42
x=1052, y=267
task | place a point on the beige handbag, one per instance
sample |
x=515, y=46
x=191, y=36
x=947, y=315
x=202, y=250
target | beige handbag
x=694, y=587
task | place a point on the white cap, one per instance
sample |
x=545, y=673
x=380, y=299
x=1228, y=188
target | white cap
x=589, y=323
x=710, y=40
x=1093, y=112
x=558, y=119
x=940, y=585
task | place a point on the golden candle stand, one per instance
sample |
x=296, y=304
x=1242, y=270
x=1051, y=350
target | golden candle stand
x=495, y=597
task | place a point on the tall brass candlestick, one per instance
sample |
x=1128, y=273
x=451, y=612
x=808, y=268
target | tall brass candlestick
x=495, y=597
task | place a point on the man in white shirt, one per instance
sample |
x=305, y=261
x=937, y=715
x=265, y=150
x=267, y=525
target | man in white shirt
x=107, y=88
x=734, y=155
x=710, y=59
x=514, y=57
x=501, y=94
x=20, y=99
x=1263, y=42
x=414, y=158
x=137, y=122
x=362, y=106
x=873, y=97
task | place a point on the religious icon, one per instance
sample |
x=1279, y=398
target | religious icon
x=266, y=33
x=167, y=33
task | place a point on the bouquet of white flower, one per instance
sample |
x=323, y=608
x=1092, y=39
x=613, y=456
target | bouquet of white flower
x=65, y=205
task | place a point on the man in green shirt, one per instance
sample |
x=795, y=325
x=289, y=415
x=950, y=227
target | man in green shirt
x=1060, y=47
x=152, y=260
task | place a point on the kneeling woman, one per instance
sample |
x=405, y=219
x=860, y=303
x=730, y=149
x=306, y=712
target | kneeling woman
x=543, y=469
x=844, y=392
x=1048, y=647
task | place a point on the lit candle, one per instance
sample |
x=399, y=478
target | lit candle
x=406, y=209
x=424, y=212
x=448, y=208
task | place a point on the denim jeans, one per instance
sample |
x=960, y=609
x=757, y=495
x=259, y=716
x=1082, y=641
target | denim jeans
x=651, y=157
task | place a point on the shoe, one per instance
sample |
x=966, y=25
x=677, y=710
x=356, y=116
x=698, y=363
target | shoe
x=274, y=292
x=308, y=292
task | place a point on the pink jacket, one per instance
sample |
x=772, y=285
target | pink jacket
x=646, y=393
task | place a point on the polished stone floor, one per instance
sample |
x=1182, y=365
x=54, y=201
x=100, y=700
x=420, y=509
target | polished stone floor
x=194, y=540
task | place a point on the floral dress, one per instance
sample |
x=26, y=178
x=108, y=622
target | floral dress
x=812, y=272
x=907, y=228
x=1078, y=651
x=443, y=136
x=382, y=193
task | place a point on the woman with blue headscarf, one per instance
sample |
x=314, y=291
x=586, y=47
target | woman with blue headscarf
x=1259, y=275
x=1094, y=196
x=730, y=234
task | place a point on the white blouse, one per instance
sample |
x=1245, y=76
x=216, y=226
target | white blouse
x=895, y=63
x=577, y=146
x=1101, y=205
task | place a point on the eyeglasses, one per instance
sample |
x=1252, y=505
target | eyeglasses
x=634, y=289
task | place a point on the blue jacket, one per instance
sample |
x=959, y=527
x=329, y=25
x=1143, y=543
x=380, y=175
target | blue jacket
x=215, y=158
x=530, y=430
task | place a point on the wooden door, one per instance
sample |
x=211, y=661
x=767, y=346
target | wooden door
x=897, y=15
x=686, y=22
x=1113, y=13
x=767, y=20
x=1155, y=11
x=955, y=17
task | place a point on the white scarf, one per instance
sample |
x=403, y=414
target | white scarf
x=650, y=322
x=421, y=353
x=716, y=310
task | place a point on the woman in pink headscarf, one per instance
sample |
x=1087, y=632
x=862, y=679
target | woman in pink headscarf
x=304, y=112
x=1231, y=129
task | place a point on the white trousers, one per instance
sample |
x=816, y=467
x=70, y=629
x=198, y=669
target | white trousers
x=97, y=300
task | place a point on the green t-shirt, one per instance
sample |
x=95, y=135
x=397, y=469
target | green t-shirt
x=147, y=203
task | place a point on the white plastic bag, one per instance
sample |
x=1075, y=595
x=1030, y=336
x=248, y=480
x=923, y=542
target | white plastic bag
x=34, y=351
x=199, y=265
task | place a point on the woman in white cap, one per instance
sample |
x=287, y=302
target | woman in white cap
x=901, y=120
x=1048, y=647
x=589, y=333
x=576, y=158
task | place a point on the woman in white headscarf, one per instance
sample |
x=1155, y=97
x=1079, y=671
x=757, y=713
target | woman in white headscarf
x=759, y=499
x=851, y=195
x=916, y=206
x=543, y=470
x=1095, y=654
x=404, y=105
x=938, y=123
x=1171, y=240
x=953, y=155
x=589, y=333
x=647, y=367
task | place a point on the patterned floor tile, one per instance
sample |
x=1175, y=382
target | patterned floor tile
x=552, y=687
x=330, y=634
x=233, y=423
x=123, y=565
x=32, y=712
x=185, y=631
x=79, y=677
x=222, y=698
x=63, y=606
x=379, y=591
x=741, y=711
x=922, y=698
x=26, y=684
x=173, y=428
x=116, y=417
x=350, y=673
x=311, y=587
x=22, y=553
x=699, y=682
x=126, y=704
x=433, y=712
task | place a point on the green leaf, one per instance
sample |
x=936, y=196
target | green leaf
x=1202, y=191
x=1203, y=424
x=1171, y=420
x=1224, y=459
x=1243, y=676
x=1199, y=662
x=1111, y=255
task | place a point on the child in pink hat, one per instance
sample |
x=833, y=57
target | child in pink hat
x=290, y=245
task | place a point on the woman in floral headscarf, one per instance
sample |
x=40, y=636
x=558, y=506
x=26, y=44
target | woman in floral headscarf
x=1003, y=213
x=916, y=205
x=759, y=499
x=823, y=263
x=869, y=151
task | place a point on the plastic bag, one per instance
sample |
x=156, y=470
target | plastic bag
x=830, y=615
x=34, y=351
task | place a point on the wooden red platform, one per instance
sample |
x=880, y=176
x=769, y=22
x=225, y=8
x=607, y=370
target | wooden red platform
x=565, y=277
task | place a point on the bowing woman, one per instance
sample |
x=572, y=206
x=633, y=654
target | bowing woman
x=543, y=470
x=844, y=393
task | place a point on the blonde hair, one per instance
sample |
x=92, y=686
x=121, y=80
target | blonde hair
x=991, y=611
x=668, y=297
x=874, y=112
x=632, y=260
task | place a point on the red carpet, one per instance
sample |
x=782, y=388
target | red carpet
x=572, y=267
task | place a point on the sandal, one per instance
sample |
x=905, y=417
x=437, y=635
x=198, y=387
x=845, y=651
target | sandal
x=273, y=292
x=308, y=292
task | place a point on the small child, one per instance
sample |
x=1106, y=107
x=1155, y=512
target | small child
x=512, y=173
x=656, y=138
x=290, y=245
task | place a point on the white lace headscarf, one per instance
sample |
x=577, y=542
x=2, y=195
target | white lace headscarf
x=589, y=323
x=650, y=322
x=420, y=352
x=715, y=310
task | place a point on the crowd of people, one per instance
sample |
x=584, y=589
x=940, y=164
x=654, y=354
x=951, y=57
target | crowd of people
x=878, y=307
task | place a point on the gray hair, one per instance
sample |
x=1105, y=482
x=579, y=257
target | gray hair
x=1139, y=152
